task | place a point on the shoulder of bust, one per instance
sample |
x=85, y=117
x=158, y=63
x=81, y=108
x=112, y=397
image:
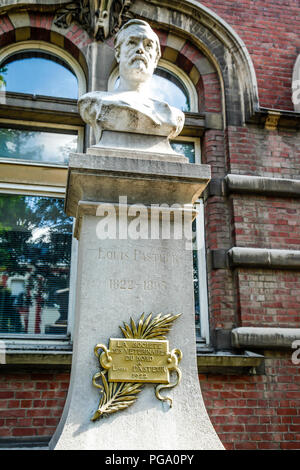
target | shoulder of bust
x=92, y=96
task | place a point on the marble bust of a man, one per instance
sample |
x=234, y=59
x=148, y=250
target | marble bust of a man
x=130, y=109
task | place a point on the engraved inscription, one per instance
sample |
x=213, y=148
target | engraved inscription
x=140, y=256
x=139, y=361
x=130, y=284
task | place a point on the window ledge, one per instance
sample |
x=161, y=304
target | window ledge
x=48, y=351
x=39, y=108
x=226, y=362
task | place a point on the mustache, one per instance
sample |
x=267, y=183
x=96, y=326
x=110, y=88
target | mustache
x=138, y=57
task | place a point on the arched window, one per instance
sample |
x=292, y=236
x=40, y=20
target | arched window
x=35, y=75
x=39, y=73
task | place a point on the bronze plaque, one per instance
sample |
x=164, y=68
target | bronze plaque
x=137, y=360
x=142, y=356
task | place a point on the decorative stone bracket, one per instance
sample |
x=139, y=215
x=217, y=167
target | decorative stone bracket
x=100, y=18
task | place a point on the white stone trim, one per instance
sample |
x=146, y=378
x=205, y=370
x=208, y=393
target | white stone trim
x=267, y=258
x=19, y=19
x=264, y=337
x=32, y=190
x=263, y=185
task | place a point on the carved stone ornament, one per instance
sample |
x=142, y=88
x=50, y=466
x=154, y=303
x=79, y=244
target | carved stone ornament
x=100, y=18
x=142, y=356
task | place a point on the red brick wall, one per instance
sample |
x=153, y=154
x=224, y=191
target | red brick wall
x=269, y=298
x=31, y=403
x=248, y=412
x=256, y=412
x=221, y=299
x=266, y=222
x=270, y=31
x=259, y=152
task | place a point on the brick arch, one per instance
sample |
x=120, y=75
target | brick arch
x=197, y=67
x=210, y=33
x=40, y=27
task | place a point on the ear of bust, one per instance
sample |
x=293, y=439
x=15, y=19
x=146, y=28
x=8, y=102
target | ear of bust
x=117, y=54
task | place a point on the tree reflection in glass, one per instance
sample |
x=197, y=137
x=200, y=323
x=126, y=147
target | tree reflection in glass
x=35, y=252
x=47, y=147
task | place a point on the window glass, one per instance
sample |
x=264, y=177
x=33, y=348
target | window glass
x=185, y=148
x=28, y=144
x=35, y=252
x=167, y=87
x=39, y=73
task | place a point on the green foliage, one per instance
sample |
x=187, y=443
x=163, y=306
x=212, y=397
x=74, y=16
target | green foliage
x=3, y=70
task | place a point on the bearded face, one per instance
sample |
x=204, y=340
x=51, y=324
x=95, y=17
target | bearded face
x=137, y=54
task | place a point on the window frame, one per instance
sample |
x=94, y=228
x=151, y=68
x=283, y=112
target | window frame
x=26, y=125
x=57, y=193
x=201, y=252
x=43, y=46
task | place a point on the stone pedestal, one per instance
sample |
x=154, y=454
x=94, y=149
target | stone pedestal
x=122, y=278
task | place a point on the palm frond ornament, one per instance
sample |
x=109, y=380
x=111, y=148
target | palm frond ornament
x=120, y=391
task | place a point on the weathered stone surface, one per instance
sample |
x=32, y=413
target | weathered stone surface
x=141, y=181
x=262, y=185
x=264, y=338
x=120, y=278
x=240, y=256
x=131, y=108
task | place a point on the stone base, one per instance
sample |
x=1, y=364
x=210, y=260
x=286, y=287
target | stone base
x=122, y=277
x=141, y=146
x=119, y=279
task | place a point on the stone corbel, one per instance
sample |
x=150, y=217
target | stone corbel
x=272, y=120
x=100, y=18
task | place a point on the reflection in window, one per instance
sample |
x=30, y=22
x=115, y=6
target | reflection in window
x=35, y=252
x=185, y=148
x=47, y=147
x=39, y=73
x=167, y=87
